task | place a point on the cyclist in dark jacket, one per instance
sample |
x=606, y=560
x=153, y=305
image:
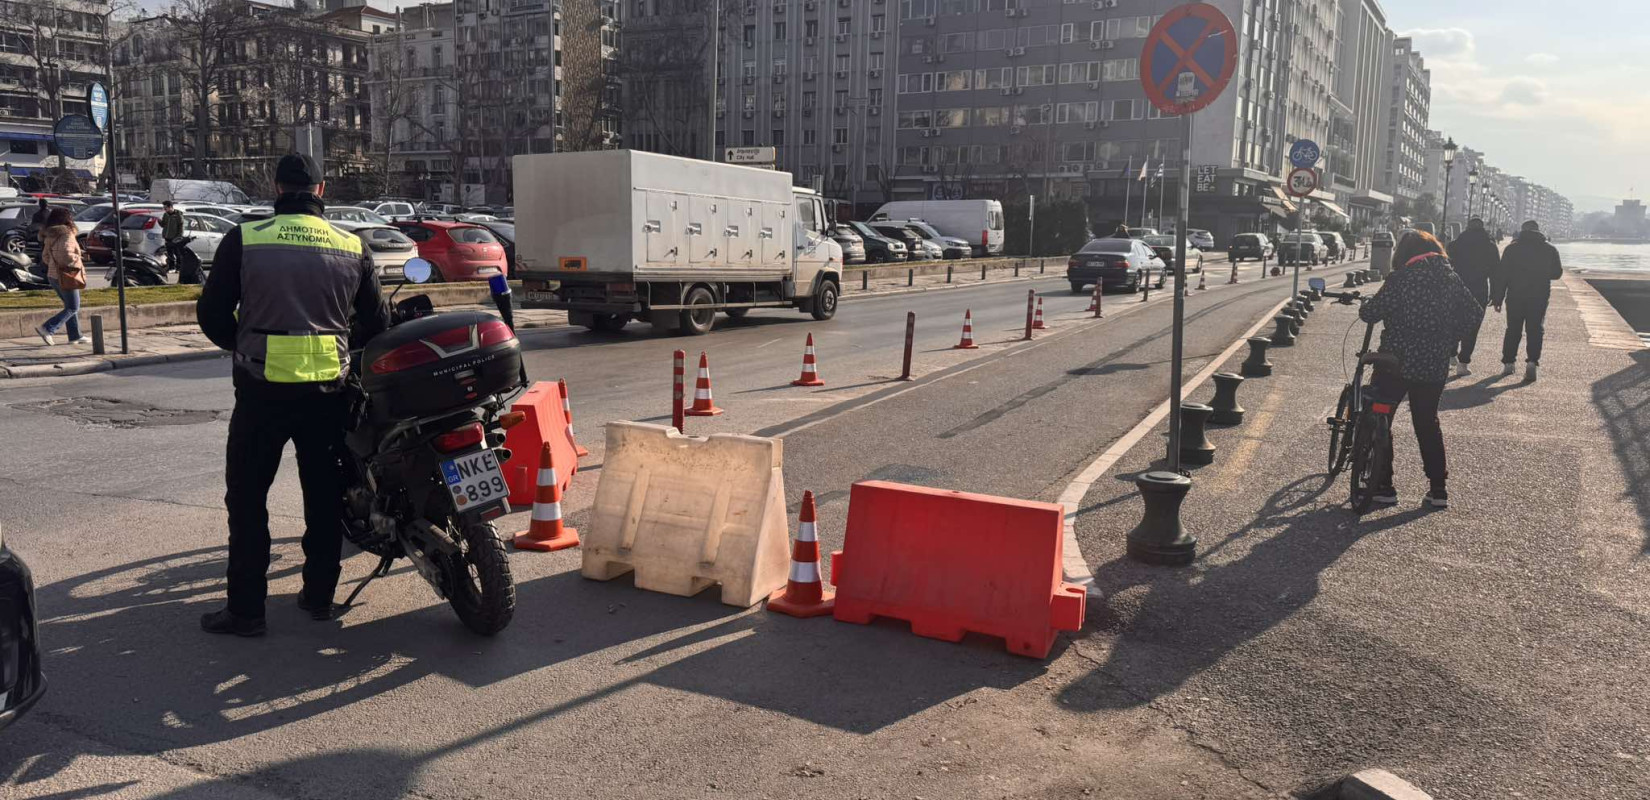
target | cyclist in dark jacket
x=1476, y=260
x=1524, y=283
x=1426, y=311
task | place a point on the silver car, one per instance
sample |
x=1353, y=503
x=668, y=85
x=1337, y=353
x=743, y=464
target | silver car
x=389, y=248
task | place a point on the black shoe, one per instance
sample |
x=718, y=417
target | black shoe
x=1387, y=496
x=225, y=621
x=317, y=611
x=1438, y=498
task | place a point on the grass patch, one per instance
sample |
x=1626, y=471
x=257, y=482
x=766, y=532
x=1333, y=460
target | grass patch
x=136, y=296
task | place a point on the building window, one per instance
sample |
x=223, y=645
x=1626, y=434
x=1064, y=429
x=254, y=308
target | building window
x=779, y=31
x=749, y=139
x=839, y=136
x=810, y=28
x=844, y=26
x=778, y=139
x=810, y=136
x=879, y=23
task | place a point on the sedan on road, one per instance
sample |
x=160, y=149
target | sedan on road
x=505, y=232
x=21, y=680
x=459, y=251
x=1113, y=263
x=1301, y=248
x=1250, y=247
x=1164, y=247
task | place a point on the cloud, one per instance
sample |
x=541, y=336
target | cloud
x=1445, y=44
x=1541, y=59
x=1524, y=92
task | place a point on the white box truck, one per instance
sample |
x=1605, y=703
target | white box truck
x=979, y=222
x=616, y=235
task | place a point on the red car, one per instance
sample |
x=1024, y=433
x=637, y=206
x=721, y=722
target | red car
x=460, y=251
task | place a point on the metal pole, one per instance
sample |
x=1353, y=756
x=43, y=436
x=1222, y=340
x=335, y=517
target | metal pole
x=1031, y=302
x=715, y=65
x=1449, y=177
x=114, y=198
x=1179, y=341
x=1128, y=192
x=1031, y=233
x=1300, y=220
x=677, y=389
x=910, y=339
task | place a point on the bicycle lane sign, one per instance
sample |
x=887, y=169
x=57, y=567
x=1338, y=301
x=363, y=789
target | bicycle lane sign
x=1188, y=58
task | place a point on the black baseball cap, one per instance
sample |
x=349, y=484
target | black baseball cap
x=298, y=169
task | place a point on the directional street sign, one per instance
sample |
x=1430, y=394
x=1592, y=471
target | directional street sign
x=1188, y=59
x=750, y=156
x=78, y=136
x=1303, y=181
x=1305, y=153
x=98, y=98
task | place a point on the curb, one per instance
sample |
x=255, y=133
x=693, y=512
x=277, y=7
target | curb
x=1377, y=784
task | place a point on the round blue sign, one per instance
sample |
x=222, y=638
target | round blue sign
x=98, y=98
x=77, y=136
x=1305, y=153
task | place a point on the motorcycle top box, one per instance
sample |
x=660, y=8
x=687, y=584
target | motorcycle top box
x=439, y=364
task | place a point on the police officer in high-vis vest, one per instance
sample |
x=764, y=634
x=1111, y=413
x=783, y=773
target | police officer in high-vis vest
x=282, y=296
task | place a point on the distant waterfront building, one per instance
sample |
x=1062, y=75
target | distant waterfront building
x=1630, y=219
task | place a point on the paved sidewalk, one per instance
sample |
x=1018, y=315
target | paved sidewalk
x=28, y=357
x=1496, y=649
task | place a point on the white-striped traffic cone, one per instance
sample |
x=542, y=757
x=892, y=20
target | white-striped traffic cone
x=703, y=404
x=567, y=410
x=1202, y=279
x=1037, y=322
x=804, y=594
x=967, y=342
x=546, y=532
x=810, y=367
x=1094, y=305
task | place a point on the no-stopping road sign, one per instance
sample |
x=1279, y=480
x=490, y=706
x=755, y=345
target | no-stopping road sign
x=1188, y=59
x=1303, y=181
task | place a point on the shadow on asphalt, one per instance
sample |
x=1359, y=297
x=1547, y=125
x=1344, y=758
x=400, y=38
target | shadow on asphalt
x=1189, y=619
x=1623, y=399
x=129, y=663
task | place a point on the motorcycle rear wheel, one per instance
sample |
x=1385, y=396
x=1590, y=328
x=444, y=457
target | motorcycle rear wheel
x=482, y=591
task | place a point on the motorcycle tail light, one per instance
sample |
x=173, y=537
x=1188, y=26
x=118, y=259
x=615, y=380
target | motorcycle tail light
x=495, y=332
x=468, y=436
x=406, y=356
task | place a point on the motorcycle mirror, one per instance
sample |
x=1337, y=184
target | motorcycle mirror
x=417, y=270
x=1317, y=284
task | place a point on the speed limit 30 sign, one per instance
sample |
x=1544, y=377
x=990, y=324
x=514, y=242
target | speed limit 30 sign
x=1302, y=181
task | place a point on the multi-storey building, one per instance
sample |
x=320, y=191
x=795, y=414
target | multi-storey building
x=51, y=51
x=1363, y=54
x=508, y=77
x=274, y=76
x=592, y=99
x=1404, y=138
x=665, y=67
x=414, y=101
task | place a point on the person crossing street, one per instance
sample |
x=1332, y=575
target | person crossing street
x=283, y=297
x=1524, y=283
x=1475, y=258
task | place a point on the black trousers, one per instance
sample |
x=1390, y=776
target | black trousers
x=1423, y=411
x=1470, y=341
x=172, y=249
x=1526, y=316
x=264, y=420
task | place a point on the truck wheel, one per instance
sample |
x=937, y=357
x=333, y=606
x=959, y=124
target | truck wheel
x=608, y=323
x=824, y=306
x=699, y=321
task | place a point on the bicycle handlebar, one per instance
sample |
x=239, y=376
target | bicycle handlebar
x=1347, y=298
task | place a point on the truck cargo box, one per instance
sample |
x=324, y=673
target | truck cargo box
x=632, y=216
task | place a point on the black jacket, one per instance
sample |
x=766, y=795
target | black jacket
x=1426, y=310
x=1528, y=267
x=1476, y=259
x=215, y=310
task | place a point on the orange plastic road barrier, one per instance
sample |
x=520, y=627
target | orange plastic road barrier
x=547, y=532
x=804, y=594
x=1037, y=323
x=545, y=423
x=967, y=342
x=810, y=367
x=703, y=404
x=953, y=562
x=567, y=411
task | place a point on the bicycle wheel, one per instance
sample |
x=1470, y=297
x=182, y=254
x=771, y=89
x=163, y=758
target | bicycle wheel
x=1340, y=433
x=1368, y=459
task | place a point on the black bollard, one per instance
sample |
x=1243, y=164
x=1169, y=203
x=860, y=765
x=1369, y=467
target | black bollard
x=1284, y=336
x=1351, y=280
x=1159, y=539
x=1294, y=320
x=947, y=273
x=1317, y=294
x=1195, y=447
x=1298, y=308
x=1256, y=365
x=1306, y=299
x=1225, y=402
x=864, y=280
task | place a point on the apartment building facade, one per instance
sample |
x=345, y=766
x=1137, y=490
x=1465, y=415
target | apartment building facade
x=414, y=101
x=51, y=51
x=1362, y=55
x=1409, y=107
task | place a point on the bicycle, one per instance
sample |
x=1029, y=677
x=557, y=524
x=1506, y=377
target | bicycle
x=1360, y=432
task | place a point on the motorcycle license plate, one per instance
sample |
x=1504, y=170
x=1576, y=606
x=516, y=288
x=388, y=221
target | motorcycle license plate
x=475, y=480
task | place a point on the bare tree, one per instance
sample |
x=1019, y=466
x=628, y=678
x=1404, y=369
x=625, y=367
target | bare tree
x=203, y=35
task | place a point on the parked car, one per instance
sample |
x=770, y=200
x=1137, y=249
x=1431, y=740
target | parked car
x=1334, y=247
x=389, y=248
x=1250, y=247
x=879, y=249
x=21, y=680
x=439, y=209
x=460, y=251
x=919, y=248
x=355, y=214
x=853, y=245
x=394, y=209
x=90, y=216
x=17, y=217
x=950, y=246
x=140, y=233
x=1141, y=233
x=1203, y=239
x=506, y=233
x=1164, y=247
x=1301, y=248
x=92, y=245
x=1112, y=263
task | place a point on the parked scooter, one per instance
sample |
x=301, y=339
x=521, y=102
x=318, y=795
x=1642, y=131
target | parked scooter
x=141, y=269
x=190, y=271
x=19, y=273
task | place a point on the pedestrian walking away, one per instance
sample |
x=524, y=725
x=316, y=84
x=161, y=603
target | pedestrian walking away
x=1425, y=311
x=1476, y=259
x=66, y=273
x=283, y=297
x=171, y=230
x=1524, y=284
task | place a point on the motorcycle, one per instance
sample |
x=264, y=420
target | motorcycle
x=19, y=273
x=190, y=271
x=424, y=449
x=141, y=269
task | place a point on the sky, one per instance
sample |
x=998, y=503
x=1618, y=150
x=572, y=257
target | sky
x=1556, y=92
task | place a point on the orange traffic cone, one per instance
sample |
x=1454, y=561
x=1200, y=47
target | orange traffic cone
x=567, y=410
x=1094, y=305
x=1037, y=322
x=967, y=342
x=546, y=532
x=804, y=594
x=1202, y=280
x=703, y=405
x=810, y=367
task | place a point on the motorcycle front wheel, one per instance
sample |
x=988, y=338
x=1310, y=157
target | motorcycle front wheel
x=482, y=592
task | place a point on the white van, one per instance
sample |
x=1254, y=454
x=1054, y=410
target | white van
x=191, y=191
x=980, y=222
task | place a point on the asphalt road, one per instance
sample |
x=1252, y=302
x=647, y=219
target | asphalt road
x=111, y=487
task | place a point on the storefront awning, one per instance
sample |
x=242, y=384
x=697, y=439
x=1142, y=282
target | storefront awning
x=1281, y=195
x=1334, y=208
x=1280, y=213
x=38, y=171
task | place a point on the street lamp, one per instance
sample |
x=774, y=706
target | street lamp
x=1472, y=189
x=1450, y=147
